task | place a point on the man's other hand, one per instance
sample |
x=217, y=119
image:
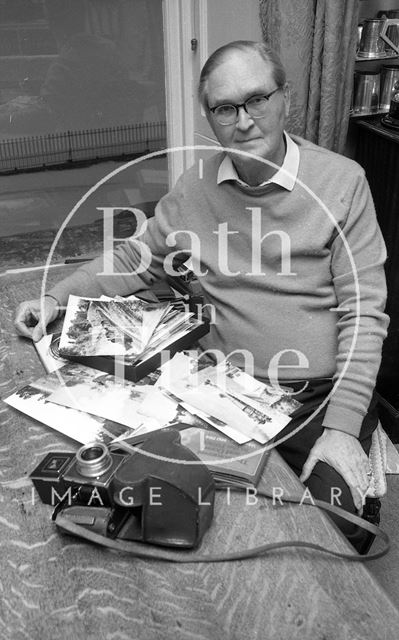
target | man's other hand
x=345, y=454
x=33, y=316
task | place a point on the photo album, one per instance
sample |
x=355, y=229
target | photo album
x=102, y=332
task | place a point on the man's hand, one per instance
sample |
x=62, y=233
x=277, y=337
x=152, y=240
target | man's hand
x=345, y=454
x=33, y=316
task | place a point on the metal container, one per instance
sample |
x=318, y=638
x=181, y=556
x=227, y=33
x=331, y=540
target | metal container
x=394, y=108
x=391, y=119
x=366, y=92
x=359, y=36
x=371, y=45
x=389, y=84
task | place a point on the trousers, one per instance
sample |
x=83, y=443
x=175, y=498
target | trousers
x=324, y=479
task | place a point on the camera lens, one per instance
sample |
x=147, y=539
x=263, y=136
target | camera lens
x=92, y=460
x=92, y=453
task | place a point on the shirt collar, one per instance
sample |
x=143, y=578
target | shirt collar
x=285, y=176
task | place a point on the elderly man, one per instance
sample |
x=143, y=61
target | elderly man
x=285, y=243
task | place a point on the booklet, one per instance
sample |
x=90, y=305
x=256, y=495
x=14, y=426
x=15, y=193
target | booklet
x=229, y=462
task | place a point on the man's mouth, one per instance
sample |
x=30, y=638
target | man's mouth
x=246, y=140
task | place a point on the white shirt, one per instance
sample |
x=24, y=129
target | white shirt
x=285, y=176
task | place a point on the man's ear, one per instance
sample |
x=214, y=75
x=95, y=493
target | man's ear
x=287, y=98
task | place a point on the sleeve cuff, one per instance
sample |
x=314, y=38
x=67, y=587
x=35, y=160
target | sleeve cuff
x=343, y=419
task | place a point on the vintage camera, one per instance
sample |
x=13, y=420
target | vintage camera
x=84, y=477
x=151, y=495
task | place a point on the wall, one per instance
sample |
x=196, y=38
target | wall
x=369, y=8
x=242, y=18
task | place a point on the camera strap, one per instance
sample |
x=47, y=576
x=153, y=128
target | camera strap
x=140, y=550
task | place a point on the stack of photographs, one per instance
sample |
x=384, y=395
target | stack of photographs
x=96, y=332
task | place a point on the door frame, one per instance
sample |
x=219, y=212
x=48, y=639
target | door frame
x=185, y=38
x=211, y=23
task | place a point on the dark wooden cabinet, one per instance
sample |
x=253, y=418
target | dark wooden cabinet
x=377, y=150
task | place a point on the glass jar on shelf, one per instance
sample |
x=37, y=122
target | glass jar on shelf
x=366, y=93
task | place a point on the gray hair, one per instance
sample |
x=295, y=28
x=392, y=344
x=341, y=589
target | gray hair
x=220, y=55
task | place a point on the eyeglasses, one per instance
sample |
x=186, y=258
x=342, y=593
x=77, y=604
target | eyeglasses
x=255, y=107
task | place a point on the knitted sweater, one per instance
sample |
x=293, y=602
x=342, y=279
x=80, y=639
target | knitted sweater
x=282, y=270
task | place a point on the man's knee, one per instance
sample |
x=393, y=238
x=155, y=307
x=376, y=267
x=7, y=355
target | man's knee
x=326, y=484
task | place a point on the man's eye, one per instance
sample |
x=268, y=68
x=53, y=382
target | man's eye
x=256, y=101
x=225, y=109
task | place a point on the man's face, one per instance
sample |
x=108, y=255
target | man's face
x=241, y=76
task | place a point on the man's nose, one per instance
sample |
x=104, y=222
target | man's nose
x=244, y=121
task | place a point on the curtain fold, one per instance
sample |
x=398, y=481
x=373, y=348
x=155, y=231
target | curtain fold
x=316, y=40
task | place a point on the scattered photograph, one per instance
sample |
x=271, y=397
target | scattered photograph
x=34, y=400
x=229, y=399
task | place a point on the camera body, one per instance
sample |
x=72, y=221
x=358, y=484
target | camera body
x=84, y=478
x=161, y=493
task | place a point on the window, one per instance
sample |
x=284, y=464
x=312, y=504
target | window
x=80, y=80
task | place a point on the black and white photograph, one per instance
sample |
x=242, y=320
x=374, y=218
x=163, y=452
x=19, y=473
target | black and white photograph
x=35, y=400
x=199, y=319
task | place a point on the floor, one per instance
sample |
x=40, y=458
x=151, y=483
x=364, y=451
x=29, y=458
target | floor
x=386, y=569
